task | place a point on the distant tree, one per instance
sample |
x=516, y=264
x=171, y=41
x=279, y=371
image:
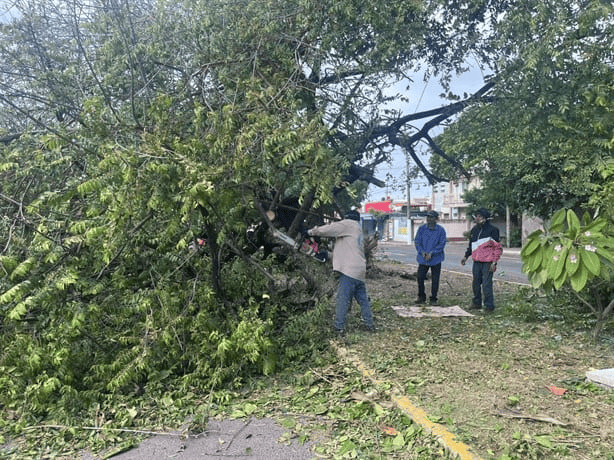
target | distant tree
x=544, y=141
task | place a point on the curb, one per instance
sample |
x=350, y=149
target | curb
x=456, y=448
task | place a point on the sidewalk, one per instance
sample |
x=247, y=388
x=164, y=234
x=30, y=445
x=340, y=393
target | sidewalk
x=456, y=243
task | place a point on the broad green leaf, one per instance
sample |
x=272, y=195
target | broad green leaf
x=539, y=278
x=572, y=261
x=596, y=226
x=556, y=263
x=572, y=221
x=532, y=244
x=535, y=259
x=606, y=254
x=579, y=279
x=558, y=218
x=558, y=282
x=591, y=261
x=586, y=219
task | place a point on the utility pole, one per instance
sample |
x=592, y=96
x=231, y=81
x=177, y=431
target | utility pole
x=507, y=226
x=409, y=221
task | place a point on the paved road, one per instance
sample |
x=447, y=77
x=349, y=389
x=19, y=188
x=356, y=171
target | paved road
x=509, y=267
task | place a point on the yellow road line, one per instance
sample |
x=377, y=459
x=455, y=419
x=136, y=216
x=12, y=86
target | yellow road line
x=447, y=439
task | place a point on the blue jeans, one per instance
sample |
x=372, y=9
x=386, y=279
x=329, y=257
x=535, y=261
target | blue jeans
x=482, y=281
x=435, y=274
x=350, y=288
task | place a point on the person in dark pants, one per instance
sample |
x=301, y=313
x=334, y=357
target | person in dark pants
x=485, y=251
x=430, y=242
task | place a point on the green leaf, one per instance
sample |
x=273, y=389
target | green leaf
x=606, y=254
x=558, y=282
x=556, y=263
x=539, y=278
x=543, y=441
x=399, y=440
x=572, y=261
x=557, y=219
x=579, y=279
x=532, y=245
x=591, y=261
x=572, y=221
x=596, y=226
x=17, y=312
x=249, y=408
x=535, y=260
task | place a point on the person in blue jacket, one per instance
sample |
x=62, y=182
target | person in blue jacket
x=430, y=242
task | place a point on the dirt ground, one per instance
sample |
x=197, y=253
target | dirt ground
x=507, y=386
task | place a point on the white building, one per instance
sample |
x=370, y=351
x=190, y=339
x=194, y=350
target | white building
x=447, y=198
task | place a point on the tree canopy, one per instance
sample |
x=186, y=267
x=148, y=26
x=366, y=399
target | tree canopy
x=546, y=138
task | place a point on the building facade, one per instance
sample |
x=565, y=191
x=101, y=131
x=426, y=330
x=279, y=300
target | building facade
x=447, y=199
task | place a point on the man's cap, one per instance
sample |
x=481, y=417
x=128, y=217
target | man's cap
x=353, y=215
x=434, y=214
x=483, y=212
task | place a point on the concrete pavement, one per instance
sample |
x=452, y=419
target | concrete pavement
x=253, y=439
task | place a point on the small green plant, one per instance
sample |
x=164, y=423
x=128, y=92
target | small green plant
x=513, y=401
x=573, y=254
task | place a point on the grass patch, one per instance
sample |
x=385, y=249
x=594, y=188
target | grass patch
x=486, y=377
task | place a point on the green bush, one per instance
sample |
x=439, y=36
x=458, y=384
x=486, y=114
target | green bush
x=574, y=255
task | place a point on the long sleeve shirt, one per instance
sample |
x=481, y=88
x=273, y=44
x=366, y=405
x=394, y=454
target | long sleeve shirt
x=430, y=241
x=348, y=253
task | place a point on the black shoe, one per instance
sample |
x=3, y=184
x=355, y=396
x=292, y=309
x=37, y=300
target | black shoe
x=370, y=329
x=475, y=307
x=420, y=301
x=339, y=332
x=433, y=302
x=488, y=311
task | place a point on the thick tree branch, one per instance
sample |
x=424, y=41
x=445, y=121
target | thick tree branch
x=392, y=132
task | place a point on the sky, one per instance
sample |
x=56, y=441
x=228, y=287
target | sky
x=422, y=96
x=6, y=10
